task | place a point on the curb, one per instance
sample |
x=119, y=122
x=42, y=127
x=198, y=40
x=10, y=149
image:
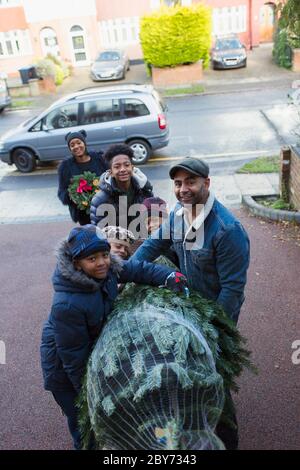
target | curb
x=268, y=213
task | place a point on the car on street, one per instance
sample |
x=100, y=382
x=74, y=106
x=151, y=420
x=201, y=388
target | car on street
x=134, y=114
x=110, y=65
x=228, y=53
x=5, y=99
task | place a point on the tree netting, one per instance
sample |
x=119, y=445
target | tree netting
x=157, y=375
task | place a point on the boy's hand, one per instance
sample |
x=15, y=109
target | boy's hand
x=177, y=282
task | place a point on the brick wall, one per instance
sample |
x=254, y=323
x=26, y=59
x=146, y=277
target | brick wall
x=294, y=183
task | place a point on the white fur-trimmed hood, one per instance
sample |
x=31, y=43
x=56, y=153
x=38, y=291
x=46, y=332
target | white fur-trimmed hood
x=140, y=178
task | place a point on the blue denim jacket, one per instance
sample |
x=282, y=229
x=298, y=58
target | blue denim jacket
x=217, y=265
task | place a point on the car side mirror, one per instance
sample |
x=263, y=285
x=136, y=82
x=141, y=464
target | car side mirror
x=45, y=127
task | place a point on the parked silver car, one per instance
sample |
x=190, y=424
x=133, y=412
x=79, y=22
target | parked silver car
x=134, y=114
x=110, y=65
x=5, y=99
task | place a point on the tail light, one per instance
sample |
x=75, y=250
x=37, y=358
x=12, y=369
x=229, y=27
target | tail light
x=162, y=122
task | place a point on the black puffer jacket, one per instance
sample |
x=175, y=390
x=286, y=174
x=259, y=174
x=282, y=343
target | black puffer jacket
x=69, y=168
x=109, y=194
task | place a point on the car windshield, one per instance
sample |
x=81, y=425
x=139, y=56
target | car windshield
x=108, y=56
x=225, y=44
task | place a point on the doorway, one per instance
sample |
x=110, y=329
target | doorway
x=49, y=42
x=78, y=40
x=266, y=22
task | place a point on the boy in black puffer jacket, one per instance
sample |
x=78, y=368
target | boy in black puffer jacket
x=86, y=284
x=121, y=187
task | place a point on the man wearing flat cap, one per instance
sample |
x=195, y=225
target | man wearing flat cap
x=211, y=244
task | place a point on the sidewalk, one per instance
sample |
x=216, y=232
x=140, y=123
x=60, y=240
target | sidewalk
x=35, y=205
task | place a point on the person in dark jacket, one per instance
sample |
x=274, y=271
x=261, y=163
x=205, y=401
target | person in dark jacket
x=85, y=285
x=120, y=187
x=81, y=160
x=212, y=247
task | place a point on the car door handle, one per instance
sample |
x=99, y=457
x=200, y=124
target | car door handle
x=116, y=129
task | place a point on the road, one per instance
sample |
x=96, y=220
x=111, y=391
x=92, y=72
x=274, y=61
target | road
x=227, y=129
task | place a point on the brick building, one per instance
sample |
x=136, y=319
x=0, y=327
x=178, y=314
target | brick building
x=75, y=30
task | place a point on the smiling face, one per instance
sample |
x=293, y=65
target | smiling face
x=120, y=249
x=121, y=168
x=78, y=149
x=190, y=189
x=95, y=265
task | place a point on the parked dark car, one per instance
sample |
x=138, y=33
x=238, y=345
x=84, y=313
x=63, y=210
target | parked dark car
x=229, y=53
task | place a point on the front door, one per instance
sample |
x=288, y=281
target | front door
x=78, y=40
x=267, y=19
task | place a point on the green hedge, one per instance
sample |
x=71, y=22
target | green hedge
x=177, y=35
x=282, y=52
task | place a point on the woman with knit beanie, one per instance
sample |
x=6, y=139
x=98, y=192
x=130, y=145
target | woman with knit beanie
x=80, y=161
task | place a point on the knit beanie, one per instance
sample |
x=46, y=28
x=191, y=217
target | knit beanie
x=118, y=234
x=154, y=206
x=81, y=135
x=86, y=240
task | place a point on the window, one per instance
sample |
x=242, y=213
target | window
x=229, y=20
x=101, y=111
x=76, y=28
x=10, y=3
x=9, y=48
x=134, y=108
x=37, y=127
x=15, y=43
x=66, y=116
x=119, y=32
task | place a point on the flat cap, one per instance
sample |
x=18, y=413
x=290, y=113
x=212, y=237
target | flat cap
x=192, y=165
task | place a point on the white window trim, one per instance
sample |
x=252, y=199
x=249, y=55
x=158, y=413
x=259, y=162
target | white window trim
x=222, y=17
x=112, y=32
x=23, y=38
x=10, y=3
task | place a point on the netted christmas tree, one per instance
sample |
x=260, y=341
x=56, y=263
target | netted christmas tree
x=157, y=375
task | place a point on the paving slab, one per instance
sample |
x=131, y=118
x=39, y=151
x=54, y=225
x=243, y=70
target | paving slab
x=274, y=180
x=255, y=185
x=226, y=190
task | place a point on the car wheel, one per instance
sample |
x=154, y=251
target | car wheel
x=24, y=160
x=141, y=150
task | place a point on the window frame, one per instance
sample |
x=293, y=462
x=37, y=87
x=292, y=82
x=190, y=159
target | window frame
x=136, y=99
x=113, y=117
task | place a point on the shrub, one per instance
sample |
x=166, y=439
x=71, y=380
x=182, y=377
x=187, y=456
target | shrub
x=60, y=63
x=282, y=53
x=45, y=68
x=175, y=36
x=59, y=75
